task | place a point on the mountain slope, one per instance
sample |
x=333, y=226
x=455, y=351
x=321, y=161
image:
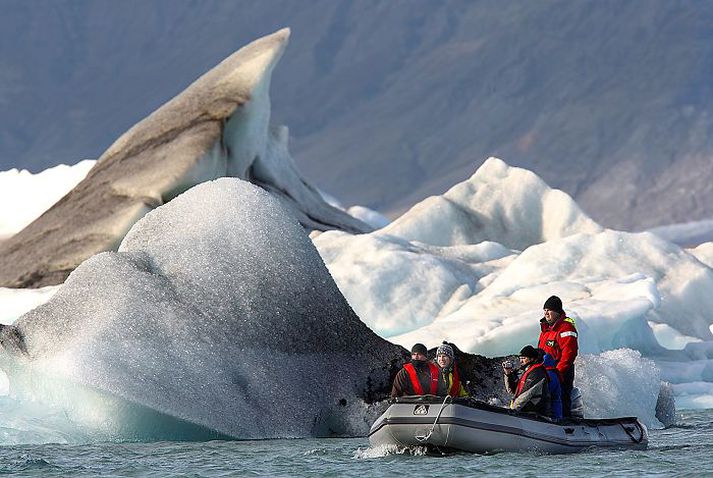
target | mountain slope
x=389, y=102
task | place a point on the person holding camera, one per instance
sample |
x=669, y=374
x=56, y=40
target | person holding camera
x=559, y=339
x=531, y=389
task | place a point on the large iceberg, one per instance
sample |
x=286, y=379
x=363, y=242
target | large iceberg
x=177, y=262
x=219, y=126
x=215, y=318
x=469, y=286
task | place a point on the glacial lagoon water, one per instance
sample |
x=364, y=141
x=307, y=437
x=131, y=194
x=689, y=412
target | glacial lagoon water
x=685, y=449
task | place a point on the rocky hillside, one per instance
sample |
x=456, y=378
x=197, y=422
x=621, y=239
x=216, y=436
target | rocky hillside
x=388, y=102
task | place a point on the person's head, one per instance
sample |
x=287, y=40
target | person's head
x=419, y=352
x=553, y=309
x=444, y=356
x=528, y=355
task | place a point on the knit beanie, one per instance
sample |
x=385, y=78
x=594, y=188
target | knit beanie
x=419, y=349
x=444, y=349
x=553, y=303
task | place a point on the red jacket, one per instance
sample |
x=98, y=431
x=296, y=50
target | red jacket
x=560, y=341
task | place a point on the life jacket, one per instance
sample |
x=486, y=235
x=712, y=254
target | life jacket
x=455, y=384
x=521, y=383
x=416, y=383
x=559, y=340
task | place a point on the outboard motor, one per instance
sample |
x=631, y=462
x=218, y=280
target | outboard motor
x=577, y=409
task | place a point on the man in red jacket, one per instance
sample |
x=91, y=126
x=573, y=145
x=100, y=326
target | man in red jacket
x=558, y=337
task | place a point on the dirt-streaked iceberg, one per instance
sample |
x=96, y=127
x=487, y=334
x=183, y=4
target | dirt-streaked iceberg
x=219, y=126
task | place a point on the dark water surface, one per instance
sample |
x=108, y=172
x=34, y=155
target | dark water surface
x=685, y=449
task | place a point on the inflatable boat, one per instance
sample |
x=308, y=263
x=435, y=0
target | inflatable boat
x=464, y=424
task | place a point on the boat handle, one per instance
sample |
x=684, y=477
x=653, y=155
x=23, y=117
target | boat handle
x=630, y=429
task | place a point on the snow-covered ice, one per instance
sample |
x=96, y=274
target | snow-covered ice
x=420, y=278
x=24, y=196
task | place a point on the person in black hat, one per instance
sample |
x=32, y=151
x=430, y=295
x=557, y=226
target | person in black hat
x=559, y=339
x=418, y=377
x=531, y=389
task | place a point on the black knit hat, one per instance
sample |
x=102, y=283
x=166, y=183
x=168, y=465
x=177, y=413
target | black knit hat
x=553, y=303
x=530, y=352
x=419, y=349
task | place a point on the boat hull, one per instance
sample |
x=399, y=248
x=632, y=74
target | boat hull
x=472, y=426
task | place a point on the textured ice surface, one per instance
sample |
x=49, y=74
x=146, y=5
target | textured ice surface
x=619, y=383
x=512, y=206
x=621, y=287
x=429, y=276
x=217, y=311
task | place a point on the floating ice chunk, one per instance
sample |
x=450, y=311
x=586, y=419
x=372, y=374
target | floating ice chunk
x=619, y=383
x=500, y=203
x=216, y=318
x=219, y=126
x=694, y=395
x=671, y=338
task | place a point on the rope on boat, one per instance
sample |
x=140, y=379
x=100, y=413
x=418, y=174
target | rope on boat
x=423, y=438
x=628, y=432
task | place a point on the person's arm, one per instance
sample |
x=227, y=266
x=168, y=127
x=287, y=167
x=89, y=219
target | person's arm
x=567, y=340
x=397, y=389
x=533, y=392
x=511, y=380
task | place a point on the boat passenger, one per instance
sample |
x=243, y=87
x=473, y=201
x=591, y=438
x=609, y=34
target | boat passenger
x=555, y=386
x=419, y=377
x=449, y=381
x=531, y=391
x=558, y=338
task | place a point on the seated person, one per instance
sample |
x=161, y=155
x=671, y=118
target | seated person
x=419, y=377
x=449, y=381
x=531, y=389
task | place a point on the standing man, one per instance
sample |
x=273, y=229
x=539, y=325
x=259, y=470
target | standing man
x=419, y=377
x=558, y=338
